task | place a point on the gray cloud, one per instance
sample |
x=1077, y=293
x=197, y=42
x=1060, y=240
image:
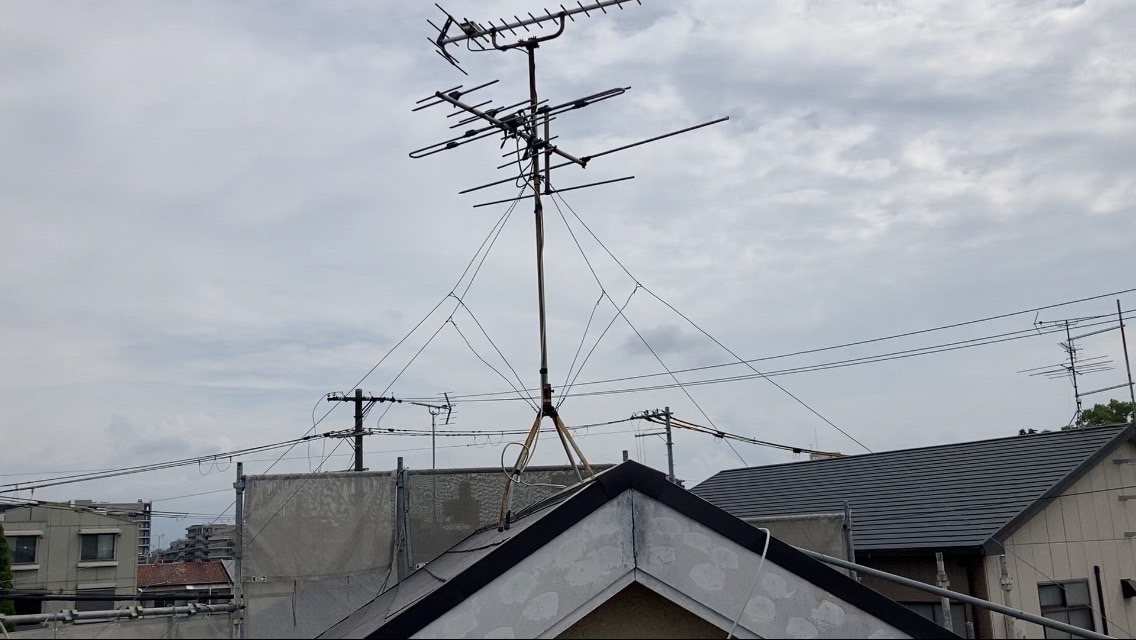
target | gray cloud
x=209, y=212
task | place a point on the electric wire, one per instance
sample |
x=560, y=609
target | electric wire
x=1036, y=330
x=838, y=364
x=84, y=477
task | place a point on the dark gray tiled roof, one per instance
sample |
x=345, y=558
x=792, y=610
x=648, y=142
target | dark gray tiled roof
x=949, y=496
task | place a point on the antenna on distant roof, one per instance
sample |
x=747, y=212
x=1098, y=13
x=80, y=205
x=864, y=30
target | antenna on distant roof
x=1076, y=365
x=527, y=125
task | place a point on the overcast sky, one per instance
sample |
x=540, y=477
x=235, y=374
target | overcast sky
x=210, y=220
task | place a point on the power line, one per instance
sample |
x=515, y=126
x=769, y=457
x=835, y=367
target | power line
x=725, y=435
x=160, y=466
x=837, y=364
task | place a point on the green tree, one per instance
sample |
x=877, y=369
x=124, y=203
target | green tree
x=7, y=607
x=1115, y=412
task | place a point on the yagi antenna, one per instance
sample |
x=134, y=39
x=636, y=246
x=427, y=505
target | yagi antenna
x=525, y=126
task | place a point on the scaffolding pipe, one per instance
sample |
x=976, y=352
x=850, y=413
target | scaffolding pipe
x=115, y=614
x=961, y=597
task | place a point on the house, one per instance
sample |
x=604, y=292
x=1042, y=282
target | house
x=1040, y=522
x=628, y=554
x=179, y=583
x=64, y=550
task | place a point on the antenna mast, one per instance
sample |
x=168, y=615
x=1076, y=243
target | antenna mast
x=1076, y=366
x=527, y=124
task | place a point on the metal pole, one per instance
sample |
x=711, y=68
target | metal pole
x=1100, y=599
x=848, y=537
x=238, y=551
x=538, y=212
x=1127, y=366
x=358, y=429
x=115, y=614
x=1007, y=586
x=433, y=440
x=961, y=597
x=402, y=564
x=670, y=446
x=942, y=581
x=1073, y=366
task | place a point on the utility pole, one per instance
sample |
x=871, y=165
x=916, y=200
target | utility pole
x=239, y=551
x=359, y=399
x=670, y=446
x=358, y=429
x=654, y=416
x=525, y=123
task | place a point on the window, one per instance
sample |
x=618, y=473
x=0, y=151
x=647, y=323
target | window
x=96, y=547
x=933, y=611
x=22, y=549
x=90, y=599
x=1066, y=602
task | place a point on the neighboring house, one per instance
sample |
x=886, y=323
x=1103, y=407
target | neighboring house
x=59, y=549
x=1056, y=507
x=179, y=583
x=319, y=545
x=628, y=555
x=136, y=512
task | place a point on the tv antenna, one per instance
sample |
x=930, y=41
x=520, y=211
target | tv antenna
x=1075, y=365
x=526, y=124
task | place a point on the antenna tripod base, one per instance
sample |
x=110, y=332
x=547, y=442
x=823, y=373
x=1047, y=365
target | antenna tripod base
x=505, y=514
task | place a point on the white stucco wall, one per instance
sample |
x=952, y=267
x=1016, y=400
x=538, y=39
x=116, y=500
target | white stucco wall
x=716, y=572
x=634, y=537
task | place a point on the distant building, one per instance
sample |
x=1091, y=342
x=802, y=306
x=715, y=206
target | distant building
x=212, y=541
x=60, y=549
x=136, y=512
x=203, y=542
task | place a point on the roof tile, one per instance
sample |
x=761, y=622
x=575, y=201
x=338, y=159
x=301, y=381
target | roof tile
x=182, y=573
x=956, y=495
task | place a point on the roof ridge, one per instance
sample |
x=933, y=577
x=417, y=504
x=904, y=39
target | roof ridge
x=860, y=456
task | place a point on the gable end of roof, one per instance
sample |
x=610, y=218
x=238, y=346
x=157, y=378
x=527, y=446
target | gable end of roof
x=994, y=543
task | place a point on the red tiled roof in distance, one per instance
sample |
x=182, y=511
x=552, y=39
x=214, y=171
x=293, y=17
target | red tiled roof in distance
x=182, y=573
